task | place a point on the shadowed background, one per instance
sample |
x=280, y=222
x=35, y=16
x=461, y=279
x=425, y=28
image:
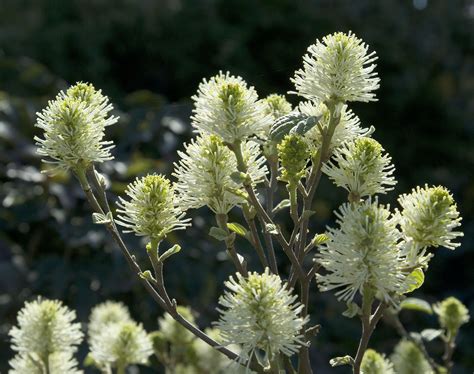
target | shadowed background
x=149, y=57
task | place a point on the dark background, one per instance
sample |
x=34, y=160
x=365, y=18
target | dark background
x=149, y=57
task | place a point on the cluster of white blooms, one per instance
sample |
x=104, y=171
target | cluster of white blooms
x=408, y=359
x=375, y=363
x=338, y=68
x=46, y=336
x=226, y=107
x=361, y=168
x=259, y=312
x=347, y=129
x=430, y=217
x=115, y=340
x=363, y=252
x=152, y=209
x=204, y=173
x=74, y=127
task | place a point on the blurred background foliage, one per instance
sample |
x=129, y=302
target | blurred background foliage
x=149, y=57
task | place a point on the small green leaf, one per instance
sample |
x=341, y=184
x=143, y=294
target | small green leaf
x=415, y=280
x=320, y=239
x=352, y=310
x=170, y=252
x=147, y=276
x=218, y=233
x=431, y=334
x=339, y=361
x=412, y=303
x=237, y=228
x=282, y=205
x=102, y=219
x=239, y=177
x=271, y=229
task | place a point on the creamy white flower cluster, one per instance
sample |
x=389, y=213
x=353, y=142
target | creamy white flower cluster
x=115, y=339
x=204, y=173
x=339, y=68
x=377, y=249
x=152, y=209
x=360, y=167
x=46, y=337
x=259, y=312
x=227, y=107
x=74, y=127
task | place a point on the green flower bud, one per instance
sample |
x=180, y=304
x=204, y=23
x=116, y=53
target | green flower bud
x=408, y=359
x=293, y=153
x=452, y=314
x=375, y=363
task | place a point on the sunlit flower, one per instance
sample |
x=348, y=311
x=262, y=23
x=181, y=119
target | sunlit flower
x=58, y=363
x=74, y=127
x=45, y=329
x=338, y=68
x=152, y=209
x=452, y=314
x=430, y=217
x=204, y=174
x=260, y=313
x=375, y=363
x=408, y=359
x=105, y=313
x=361, y=168
x=348, y=128
x=121, y=344
x=363, y=252
x=226, y=107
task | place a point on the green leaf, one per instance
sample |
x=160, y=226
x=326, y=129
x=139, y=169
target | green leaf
x=271, y=229
x=218, y=233
x=282, y=205
x=237, y=228
x=298, y=123
x=415, y=279
x=170, y=252
x=102, y=219
x=352, y=310
x=320, y=239
x=339, y=361
x=147, y=276
x=431, y=334
x=412, y=303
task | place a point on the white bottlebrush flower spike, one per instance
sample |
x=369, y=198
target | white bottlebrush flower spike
x=58, y=363
x=121, y=344
x=74, y=127
x=408, y=359
x=338, y=68
x=258, y=312
x=152, y=209
x=226, y=107
x=45, y=327
x=375, y=363
x=204, y=174
x=106, y=313
x=430, y=217
x=361, y=168
x=348, y=128
x=363, y=252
